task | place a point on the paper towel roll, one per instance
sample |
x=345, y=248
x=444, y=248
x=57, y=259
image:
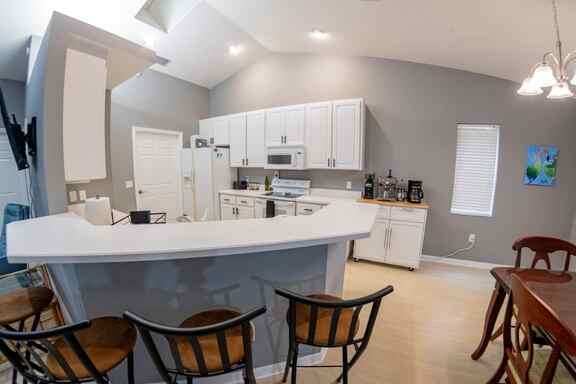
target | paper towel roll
x=98, y=210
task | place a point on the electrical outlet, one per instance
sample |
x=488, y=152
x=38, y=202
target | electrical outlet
x=472, y=238
x=348, y=185
x=129, y=184
x=82, y=195
x=73, y=196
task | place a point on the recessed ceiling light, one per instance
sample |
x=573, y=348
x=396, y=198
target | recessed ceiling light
x=235, y=49
x=319, y=35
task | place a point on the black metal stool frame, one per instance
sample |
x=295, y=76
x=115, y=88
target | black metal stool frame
x=359, y=344
x=33, y=368
x=147, y=328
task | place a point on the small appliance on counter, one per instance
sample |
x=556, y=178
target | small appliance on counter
x=388, y=189
x=415, y=192
x=369, y=186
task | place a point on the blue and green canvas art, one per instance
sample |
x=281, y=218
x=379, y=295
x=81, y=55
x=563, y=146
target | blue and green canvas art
x=541, y=165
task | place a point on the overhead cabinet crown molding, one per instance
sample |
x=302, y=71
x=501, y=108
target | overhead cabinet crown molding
x=332, y=133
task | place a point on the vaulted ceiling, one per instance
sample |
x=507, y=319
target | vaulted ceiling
x=493, y=37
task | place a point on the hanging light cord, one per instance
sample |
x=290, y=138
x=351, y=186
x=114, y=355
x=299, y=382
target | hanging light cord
x=557, y=29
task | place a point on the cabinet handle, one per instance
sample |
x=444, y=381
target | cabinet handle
x=333, y=163
x=386, y=239
x=307, y=210
x=390, y=237
x=328, y=163
x=246, y=161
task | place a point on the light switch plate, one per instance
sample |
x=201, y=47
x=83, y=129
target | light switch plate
x=73, y=196
x=129, y=184
x=82, y=195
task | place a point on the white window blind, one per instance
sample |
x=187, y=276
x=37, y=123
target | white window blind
x=476, y=169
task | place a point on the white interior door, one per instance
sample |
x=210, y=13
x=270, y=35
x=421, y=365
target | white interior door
x=157, y=170
x=237, y=131
x=256, y=139
x=346, y=138
x=13, y=182
x=319, y=135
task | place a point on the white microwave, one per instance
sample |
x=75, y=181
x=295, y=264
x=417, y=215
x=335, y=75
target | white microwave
x=285, y=158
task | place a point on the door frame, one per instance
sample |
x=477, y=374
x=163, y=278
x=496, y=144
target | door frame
x=163, y=132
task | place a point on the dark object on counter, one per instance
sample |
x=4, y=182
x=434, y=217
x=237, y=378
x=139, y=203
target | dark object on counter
x=267, y=184
x=270, y=208
x=235, y=185
x=415, y=192
x=243, y=185
x=369, y=186
x=140, y=217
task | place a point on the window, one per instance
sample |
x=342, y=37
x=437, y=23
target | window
x=476, y=169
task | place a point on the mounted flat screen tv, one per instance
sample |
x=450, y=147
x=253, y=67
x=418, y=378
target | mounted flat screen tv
x=16, y=137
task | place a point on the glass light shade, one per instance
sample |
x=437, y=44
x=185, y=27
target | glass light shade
x=543, y=76
x=560, y=91
x=573, y=81
x=529, y=89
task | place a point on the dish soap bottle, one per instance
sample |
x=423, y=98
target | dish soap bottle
x=369, y=186
x=267, y=184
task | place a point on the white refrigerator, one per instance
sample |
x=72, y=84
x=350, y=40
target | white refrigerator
x=210, y=171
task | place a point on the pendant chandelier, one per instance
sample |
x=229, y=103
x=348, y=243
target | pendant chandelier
x=552, y=71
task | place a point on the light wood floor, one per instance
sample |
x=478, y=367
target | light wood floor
x=425, y=331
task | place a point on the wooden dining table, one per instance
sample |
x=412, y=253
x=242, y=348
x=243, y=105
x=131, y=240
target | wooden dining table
x=558, y=291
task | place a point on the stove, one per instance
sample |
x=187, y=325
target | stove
x=289, y=189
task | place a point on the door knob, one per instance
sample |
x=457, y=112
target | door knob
x=140, y=191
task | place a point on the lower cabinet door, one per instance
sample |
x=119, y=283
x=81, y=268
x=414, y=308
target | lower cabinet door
x=374, y=247
x=227, y=212
x=245, y=212
x=405, y=243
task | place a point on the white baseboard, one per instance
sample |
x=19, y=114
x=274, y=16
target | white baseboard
x=262, y=372
x=461, y=263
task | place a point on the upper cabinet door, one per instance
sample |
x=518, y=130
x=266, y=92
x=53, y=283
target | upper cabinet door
x=205, y=130
x=319, y=135
x=221, y=131
x=295, y=128
x=348, y=134
x=237, y=131
x=275, y=126
x=256, y=139
x=83, y=117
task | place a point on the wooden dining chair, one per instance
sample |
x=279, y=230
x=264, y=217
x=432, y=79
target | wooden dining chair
x=329, y=322
x=78, y=353
x=209, y=343
x=525, y=364
x=544, y=250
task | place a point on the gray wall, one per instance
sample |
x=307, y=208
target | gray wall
x=153, y=100
x=412, y=114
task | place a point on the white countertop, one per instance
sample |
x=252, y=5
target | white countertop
x=69, y=238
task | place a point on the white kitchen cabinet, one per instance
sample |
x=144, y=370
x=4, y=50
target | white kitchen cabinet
x=256, y=139
x=285, y=208
x=375, y=247
x=221, y=130
x=348, y=134
x=335, y=135
x=286, y=125
x=237, y=135
x=319, y=135
x=83, y=117
x=307, y=208
x=227, y=212
x=396, y=237
x=205, y=129
x=236, y=207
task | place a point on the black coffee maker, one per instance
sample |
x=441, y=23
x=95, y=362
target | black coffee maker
x=415, y=192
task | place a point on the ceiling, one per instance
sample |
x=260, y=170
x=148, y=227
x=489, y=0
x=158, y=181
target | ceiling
x=493, y=37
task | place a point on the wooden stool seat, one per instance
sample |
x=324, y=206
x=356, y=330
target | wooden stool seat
x=209, y=343
x=107, y=342
x=324, y=322
x=23, y=303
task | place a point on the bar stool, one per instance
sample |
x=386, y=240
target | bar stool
x=327, y=321
x=76, y=353
x=209, y=343
x=21, y=304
